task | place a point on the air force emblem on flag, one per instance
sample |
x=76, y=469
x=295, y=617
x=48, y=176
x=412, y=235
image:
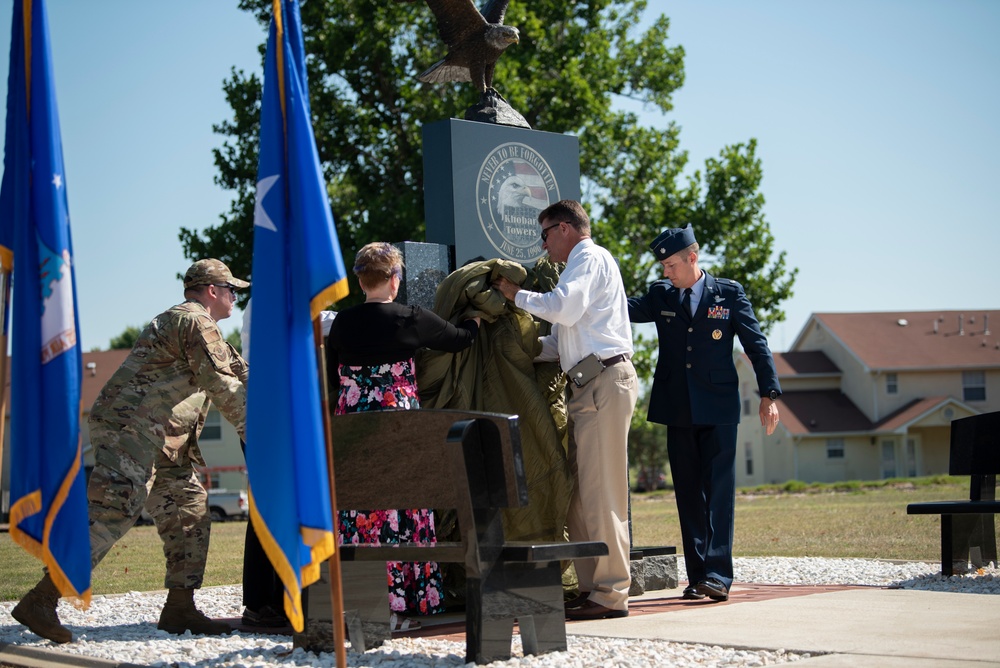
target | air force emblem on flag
x=58, y=320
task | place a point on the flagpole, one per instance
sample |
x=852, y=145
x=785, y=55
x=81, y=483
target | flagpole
x=336, y=586
x=4, y=315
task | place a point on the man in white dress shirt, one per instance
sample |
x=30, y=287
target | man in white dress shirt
x=588, y=310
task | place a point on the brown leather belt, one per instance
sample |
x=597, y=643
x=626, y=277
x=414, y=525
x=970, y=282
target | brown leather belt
x=611, y=361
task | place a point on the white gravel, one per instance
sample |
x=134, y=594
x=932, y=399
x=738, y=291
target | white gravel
x=122, y=628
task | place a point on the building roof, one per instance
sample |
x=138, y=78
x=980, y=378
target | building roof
x=909, y=340
x=911, y=412
x=821, y=412
x=814, y=412
x=804, y=363
x=105, y=362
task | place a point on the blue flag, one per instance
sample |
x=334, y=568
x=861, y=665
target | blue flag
x=297, y=271
x=48, y=514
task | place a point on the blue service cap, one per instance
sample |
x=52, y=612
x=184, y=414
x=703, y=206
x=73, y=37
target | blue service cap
x=672, y=240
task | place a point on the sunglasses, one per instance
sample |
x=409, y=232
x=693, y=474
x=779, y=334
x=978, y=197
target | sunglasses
x=545, y=231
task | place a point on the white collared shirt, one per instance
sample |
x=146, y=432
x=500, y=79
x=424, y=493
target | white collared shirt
x=588, y=308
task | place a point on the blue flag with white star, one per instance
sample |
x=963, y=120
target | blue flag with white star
x=297, y=271
x=48, y=512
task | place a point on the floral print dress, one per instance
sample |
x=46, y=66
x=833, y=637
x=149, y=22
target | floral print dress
x=414, y=587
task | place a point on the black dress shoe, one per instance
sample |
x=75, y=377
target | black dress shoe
x=577, y=600
x=591, y=610
x=266, y=617
x=691, y=594
x=714, y=589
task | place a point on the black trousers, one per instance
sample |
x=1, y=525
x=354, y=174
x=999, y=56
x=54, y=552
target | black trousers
x=261, y=584
x=703, y=466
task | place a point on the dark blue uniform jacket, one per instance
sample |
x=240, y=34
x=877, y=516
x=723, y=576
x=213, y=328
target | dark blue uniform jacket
x=695, y=382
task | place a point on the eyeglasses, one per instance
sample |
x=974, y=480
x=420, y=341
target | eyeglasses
x=232, y=288
x=545, y=231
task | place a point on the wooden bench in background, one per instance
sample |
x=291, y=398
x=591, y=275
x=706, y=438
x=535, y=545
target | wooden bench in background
x=466, y=461
x=969, y=525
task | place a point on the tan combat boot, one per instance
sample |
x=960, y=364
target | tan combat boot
x=37, y=611
x=180, y=615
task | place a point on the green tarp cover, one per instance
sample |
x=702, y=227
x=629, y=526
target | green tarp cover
x=498, y=374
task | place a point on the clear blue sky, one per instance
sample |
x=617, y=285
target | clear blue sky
x=876, y=124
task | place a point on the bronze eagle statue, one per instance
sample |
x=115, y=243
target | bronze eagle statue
x=475, y=40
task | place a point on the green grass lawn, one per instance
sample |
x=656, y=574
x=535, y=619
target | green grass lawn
x=865, y=520
x=868, y=523
x=135, y=563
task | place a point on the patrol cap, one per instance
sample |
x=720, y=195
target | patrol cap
x=672, y=240
x=211, y=272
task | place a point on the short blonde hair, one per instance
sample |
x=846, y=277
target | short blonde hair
x=376, y=263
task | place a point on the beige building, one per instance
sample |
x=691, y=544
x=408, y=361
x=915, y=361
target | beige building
x=869, y=396
x=220, y=444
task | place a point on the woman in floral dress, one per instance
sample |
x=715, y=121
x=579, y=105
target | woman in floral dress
x=370, y=351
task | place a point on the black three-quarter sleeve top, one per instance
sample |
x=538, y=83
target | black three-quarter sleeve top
x=383, y=333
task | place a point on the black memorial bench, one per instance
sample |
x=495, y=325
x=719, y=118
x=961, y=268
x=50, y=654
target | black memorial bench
x=469, y=462
x=965, y=524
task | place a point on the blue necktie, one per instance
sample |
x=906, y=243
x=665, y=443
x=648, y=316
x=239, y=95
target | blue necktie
x=686, y=302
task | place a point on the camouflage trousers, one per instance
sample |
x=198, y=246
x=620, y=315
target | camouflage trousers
x=128, y=469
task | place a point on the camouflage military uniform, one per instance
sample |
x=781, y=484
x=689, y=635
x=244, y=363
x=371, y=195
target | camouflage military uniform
x=144, y=427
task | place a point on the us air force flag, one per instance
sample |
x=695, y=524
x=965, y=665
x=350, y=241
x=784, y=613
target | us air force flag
x=297, y=271
x=48, y=512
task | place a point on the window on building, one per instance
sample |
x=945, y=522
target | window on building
x=213, y=427
x=213, y=481
x=974, y=385
x=749, y=452
x=911, y=457
x=891, y=383
x=834, y=448
x=888, y=459
x=746, y=407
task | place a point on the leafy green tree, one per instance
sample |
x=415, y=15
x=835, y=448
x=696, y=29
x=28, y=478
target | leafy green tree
x=575, y=59
x=233, y=339
x=126, y=339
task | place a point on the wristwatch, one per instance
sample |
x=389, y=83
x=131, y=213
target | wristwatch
x=773, y=395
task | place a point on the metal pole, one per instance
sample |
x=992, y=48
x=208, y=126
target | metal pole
x=336, y=590
x=5, y=275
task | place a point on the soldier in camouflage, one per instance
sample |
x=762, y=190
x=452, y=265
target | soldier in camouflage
x=144, y=428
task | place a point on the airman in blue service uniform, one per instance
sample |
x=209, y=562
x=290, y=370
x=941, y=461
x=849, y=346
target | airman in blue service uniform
x=696, y=394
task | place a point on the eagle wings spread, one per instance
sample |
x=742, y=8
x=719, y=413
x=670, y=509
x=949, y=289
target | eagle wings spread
x=475, y=41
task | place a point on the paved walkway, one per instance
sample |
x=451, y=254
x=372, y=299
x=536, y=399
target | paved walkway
x=843, y=627
x=849, y=626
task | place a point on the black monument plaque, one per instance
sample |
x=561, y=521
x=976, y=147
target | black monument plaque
x=485, y=184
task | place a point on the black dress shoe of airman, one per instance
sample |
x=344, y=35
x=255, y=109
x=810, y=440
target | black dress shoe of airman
x=591, y=610
x=691, y=594
x=714, y=589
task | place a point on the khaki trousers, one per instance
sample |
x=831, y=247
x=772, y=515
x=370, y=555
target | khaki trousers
x=600, y=413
